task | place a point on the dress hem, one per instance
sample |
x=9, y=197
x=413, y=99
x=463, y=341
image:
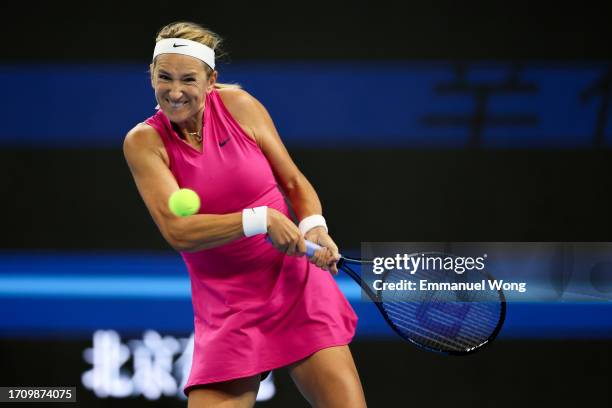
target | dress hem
x=292, y=360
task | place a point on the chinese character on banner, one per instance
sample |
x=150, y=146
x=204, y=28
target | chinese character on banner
x=481, y=92
x=153, y=357
x=107, y=356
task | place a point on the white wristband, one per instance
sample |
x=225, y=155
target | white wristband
x=255, y=221
x=310, y=222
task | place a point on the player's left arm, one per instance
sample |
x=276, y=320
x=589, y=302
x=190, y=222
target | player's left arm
x=257, y=123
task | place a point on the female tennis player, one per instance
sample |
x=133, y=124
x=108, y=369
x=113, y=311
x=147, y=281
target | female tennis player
x=258, y=303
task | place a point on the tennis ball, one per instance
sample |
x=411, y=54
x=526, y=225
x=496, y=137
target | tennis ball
x=184, y=202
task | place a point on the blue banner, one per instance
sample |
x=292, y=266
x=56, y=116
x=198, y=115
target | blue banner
x=353, y=104
x=74, y=294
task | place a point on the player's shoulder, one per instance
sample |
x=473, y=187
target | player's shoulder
x=238, y=102
x=235, y=95
x=141, y=137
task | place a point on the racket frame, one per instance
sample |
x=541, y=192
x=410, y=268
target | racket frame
x=344, y=264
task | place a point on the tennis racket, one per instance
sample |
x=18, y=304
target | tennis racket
x=454, y=322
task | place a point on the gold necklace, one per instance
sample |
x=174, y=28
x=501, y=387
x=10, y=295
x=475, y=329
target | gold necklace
x=197, y=136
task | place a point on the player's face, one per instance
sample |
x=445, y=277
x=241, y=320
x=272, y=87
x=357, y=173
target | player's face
x=181, y=84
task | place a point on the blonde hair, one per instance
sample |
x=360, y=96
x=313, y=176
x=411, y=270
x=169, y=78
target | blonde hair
x=195, y=32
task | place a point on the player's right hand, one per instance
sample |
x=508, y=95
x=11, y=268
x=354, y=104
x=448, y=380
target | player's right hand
x=284, y=234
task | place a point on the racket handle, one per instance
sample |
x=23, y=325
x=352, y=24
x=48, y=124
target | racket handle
x=311, y=247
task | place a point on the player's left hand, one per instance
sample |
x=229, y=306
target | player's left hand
x=326, y=257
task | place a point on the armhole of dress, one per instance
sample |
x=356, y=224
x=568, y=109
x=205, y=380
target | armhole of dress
x=234, y=122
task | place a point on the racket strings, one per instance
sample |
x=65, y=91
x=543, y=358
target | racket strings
x=438, y=332
x=445, y=319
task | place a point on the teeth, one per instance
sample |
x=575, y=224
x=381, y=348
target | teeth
x=176, y=105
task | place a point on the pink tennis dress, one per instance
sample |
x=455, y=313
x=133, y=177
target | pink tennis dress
x=255, y=309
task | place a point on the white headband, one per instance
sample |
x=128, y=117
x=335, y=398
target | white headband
x=185, y=47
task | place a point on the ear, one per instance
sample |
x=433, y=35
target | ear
x=152, y=72
x=212, y=80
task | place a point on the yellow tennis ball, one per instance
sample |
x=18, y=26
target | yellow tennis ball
x=184, y=202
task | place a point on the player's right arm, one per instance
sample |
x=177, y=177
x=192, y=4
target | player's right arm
x=144, y=153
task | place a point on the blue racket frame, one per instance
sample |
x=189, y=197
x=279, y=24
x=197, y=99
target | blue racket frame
x=344, y=264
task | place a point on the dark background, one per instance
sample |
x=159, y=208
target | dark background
x=460, y=196
x=510, y=374
x=464, y=195
x=439, y=29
